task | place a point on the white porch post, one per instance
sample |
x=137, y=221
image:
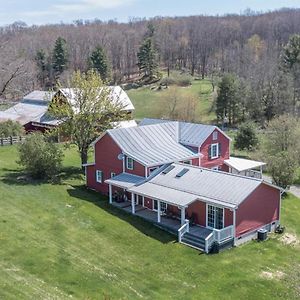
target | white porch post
x=158, y=211
x=182, y=215
x=132, y=203
x=261, y=172
x=234, y=224
x=110, y=194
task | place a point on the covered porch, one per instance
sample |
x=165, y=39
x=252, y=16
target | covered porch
x=245, y=167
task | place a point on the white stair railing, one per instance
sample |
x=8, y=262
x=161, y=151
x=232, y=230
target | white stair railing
x=183, y=229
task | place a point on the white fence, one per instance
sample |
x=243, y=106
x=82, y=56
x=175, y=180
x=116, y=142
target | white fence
x=183, y=229
x=11, y=140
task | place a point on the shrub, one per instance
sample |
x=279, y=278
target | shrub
x=282, y=168
x=40, y=158
x=177, y=79
x=10, y=128
x=246, y=138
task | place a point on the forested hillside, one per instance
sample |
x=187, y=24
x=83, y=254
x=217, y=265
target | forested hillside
x=249, y=46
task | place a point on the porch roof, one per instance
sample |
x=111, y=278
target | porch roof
x=241, y=164
x=125, y=180
x=165, y=194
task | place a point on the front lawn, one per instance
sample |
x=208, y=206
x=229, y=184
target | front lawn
x=59, y=241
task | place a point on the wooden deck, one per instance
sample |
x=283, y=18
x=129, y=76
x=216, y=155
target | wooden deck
x=171, y=225
x=168, y=224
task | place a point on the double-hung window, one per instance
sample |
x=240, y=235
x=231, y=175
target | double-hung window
x=99, y=176
x=129, y=163
x=214, y=151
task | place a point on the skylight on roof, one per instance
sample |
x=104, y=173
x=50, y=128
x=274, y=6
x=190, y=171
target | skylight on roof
x=181, y=173
x=168, y=169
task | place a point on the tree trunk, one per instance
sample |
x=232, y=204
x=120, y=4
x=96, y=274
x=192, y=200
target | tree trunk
x=84, y=157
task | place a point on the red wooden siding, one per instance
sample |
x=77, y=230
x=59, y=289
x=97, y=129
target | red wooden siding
x=228, y=217
x=260, y=208
x=138, y=169
x=225, y=151
x=148, y=203
x=106, y=156
x=198, y=208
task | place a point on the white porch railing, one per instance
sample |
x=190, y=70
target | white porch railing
x=254, y=174
x=208, y=241
x=223, y=234
x=183, y=229
x=218, y=235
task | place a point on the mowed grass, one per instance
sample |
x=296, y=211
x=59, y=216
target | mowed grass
x=150, y=103
x=59, y=241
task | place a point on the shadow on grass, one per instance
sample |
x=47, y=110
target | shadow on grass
x=146, y=227
x=19, y=177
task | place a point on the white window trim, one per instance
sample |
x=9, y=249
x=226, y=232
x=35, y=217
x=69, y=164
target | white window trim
x=127, y=159
x=207, y=204
x=157, y=204
x=211, y=151
x=153, y=204
x=97, y=176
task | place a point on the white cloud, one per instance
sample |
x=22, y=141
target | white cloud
x=68, y=7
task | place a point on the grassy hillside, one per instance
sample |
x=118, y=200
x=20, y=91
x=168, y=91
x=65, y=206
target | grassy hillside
x=60, y=240
x=150, y=103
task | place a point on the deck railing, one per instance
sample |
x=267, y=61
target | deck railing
x=221, y=235
x=183, y=229
x=208, y=241
x=255, y=174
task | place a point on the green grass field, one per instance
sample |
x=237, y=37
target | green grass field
x=148, y=103
x=59, y=241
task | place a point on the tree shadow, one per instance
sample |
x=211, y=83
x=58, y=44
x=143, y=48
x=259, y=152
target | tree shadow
x=19, y=177
x=144, y=226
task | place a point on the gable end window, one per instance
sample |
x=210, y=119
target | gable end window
x=215, y=135
x=129, y=163
x=214, y=151
x=99, y=176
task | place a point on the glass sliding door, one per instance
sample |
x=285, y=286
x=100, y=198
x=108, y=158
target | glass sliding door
x=215, y=217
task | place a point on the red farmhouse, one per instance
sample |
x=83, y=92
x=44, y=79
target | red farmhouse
x=181, y=177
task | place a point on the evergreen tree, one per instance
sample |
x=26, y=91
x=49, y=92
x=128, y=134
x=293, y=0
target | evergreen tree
x=42, y=64
x=228, y=102
x=60, y=56
x=246, y=137
x=98, y=61
x=147, y=58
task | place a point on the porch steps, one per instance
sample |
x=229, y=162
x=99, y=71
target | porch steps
x=193, y=241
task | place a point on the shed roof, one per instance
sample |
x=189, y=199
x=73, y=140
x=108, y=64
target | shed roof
x=190, y=133
x=241, y=164
x=125, y=180
x=151, y=145
x=199, y=183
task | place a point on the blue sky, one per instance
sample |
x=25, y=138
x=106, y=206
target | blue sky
x=55, y=11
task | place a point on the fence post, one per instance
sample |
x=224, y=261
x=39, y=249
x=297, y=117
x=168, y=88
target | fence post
x=11, y=140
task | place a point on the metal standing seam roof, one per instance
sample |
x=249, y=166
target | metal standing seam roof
x=116, y=94
x=151, y=145
x=125, y=180
x=190, y=133
x=199, y=183
x=241, y=164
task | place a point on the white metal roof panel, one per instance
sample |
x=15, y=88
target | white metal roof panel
x=125, y=180
x=151, y=145
x=241, y=164
x=189, y=133
x=168, y=195
x=208, y=184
